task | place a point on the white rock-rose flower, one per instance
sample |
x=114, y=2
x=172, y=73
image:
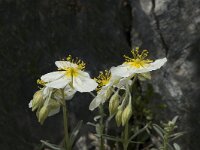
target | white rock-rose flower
x=106, y=85
x=70, y=73
x=137, y=64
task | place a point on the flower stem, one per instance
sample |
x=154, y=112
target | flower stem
x=165, y=142
x=126, y=142
x=65, y=123
x=101, y=141
x=126, y=133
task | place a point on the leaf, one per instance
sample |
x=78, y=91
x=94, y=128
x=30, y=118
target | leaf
x=170, y=147
x=138, y=132
x=112, y=138
x=176, y=146
x=52, y=146
x=92, y=124
x=159, y=130
x=109, y=137
x=75, y=132
x=135, y=142
x=176, y=135
x=174, y=119
x=97, y=117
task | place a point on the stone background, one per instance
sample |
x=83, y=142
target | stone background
x=35, y=33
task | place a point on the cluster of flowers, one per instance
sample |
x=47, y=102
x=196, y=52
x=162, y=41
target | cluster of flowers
x=71, y=77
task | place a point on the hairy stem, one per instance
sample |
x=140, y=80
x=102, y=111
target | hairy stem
x=126, y=136
x=65, y=123
x=101, y=141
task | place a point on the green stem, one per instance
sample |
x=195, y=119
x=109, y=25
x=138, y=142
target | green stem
x=65, y=122
x=126, y=133
x=165, y=146
x=126, y=142
x=101, y=141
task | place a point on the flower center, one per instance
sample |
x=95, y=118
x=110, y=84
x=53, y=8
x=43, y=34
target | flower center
x=71, y=72
x=103, y=79
x=138, y=60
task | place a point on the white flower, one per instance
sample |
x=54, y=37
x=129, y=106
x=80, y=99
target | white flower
x=106, y=86
x=137, y=64
x=70, y=73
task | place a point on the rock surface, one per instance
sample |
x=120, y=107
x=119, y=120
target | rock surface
x=36, y=33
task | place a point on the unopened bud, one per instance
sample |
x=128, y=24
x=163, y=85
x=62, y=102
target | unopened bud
x=37, y=100
x=53, y=104
x=114, y=103
x=108, y=93
x=126, y=115
x=118, y=117
x=43, y=113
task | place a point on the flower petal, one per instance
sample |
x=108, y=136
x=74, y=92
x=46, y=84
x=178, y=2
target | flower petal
x=30, y=104
x=95, y=103
x=123, y=82
x=49, y=77
x=64, y=64
x=83, y=83
x=69, y=92
x=121, y=71
x=152, y=66
x=60, y=83
x=101, y=97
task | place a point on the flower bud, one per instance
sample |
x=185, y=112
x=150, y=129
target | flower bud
x=108, y=93
x=43, y=113
x=126, y=115
x=37, y=100
x=114, y=103
x=53, y=104
x=118, y=117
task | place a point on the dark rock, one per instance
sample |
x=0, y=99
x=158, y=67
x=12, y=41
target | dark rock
x=36, y=33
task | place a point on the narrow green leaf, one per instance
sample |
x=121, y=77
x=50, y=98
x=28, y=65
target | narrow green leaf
x=159, y=130
x=75, y=132
x=174, y=119
x=153, y=149
x=176, y=135
x=52, y=146
x=176, y=146
x=135, y=142
x=91, y=124
x=108, y=137
x=138, y=132
x=97, y=117
x=170, y=147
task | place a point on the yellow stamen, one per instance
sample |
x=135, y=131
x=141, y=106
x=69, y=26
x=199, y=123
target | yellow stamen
x=41, y=82
x=138, y=60
x=103, y=79
x=81, y=64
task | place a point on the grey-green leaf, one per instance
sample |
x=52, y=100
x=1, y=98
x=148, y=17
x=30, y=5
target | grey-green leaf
x=176, y=146
x=52, y=146
x=159, y=130
x=75, y=132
